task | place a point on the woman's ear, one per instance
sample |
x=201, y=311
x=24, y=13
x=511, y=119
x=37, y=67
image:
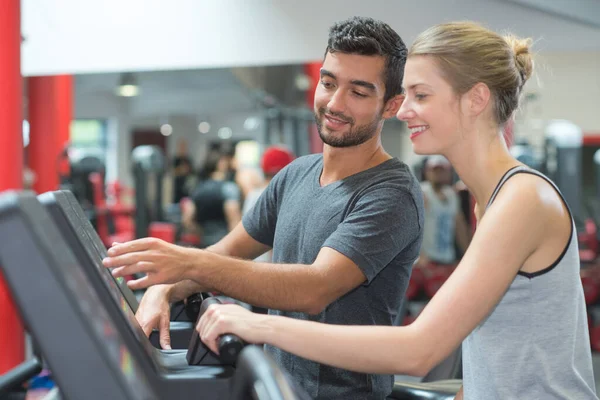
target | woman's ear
x=478, y=98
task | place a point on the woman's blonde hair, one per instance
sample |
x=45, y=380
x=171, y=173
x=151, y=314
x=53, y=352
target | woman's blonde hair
x=468, y=53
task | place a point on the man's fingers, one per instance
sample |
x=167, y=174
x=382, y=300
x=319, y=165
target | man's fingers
x=126, y=259
x=118, y=272
x=147, y=328
x=132, y=246
x=141, y=283
x=141, y=267
x=165, y=336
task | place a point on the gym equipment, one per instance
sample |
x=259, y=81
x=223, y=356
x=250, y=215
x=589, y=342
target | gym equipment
x=19, y=375
x=110, y=219
x=90, y=351
x=440, y=390
x=230, y=346
x=78, y=233
x=148, y=171
x=84, y=163
x=562, y=147
x=253, y=367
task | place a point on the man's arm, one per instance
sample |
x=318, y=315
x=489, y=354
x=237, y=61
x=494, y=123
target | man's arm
x=238, y=243
x=293, y=287
x=287, y=287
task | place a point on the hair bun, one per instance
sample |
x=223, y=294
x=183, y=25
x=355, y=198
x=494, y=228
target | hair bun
x=523, y=56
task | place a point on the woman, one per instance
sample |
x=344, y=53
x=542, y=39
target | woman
x=515, y=301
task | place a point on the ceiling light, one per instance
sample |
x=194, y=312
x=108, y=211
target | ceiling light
x=166, y=129
x=225, y=133
x=128, y=86
x=204, y=127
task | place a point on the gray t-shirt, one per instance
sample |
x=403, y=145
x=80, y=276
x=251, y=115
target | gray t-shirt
x=375, y=218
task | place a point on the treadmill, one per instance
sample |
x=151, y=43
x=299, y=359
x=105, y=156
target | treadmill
x=86, y=347
x=64, y=202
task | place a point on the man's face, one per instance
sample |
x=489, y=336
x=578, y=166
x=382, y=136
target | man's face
x=349, y=104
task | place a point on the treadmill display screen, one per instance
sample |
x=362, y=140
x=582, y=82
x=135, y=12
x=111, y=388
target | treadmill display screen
x=78, y=223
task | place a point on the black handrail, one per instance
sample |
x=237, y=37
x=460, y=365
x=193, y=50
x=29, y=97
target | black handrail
x=19, y=375
x=258, y=375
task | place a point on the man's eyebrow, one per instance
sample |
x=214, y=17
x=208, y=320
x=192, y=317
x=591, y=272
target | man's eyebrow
x=330, y=74
x=358, y=82
x=365, y=84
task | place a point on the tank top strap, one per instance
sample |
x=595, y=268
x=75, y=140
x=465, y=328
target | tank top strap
x=505, y=177
x=524, y=169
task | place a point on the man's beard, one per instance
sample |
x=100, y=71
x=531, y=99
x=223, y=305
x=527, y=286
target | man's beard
x=355, y=136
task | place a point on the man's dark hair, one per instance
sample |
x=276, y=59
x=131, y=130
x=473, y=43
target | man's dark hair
x=368, y=37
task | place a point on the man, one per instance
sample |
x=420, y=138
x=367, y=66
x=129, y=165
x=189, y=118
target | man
x=445, y=223
x=345, y=226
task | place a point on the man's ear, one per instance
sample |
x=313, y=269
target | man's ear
x=392, y=106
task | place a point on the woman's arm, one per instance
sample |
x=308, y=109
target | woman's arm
x=497, y=252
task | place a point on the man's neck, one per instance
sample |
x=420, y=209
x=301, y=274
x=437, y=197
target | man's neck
x=341, y=162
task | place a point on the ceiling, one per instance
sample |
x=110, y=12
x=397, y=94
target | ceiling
x=195, y=92
x=573, y=24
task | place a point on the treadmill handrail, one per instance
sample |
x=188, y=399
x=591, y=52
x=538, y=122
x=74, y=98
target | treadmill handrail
x=257, y=372
x=19, y=374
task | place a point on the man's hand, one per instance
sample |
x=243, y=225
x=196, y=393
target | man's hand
x=154, y=312
x=229, y=318
x=162, y=262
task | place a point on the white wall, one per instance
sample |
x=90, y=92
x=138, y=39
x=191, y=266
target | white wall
x=568, y=87
x=79, y=36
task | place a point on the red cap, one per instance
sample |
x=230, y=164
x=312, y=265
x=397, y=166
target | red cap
x=275, y=158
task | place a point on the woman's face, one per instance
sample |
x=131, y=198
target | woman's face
x=431, y=107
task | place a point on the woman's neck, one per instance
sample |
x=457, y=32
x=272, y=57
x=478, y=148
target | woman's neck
x=487, y=161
